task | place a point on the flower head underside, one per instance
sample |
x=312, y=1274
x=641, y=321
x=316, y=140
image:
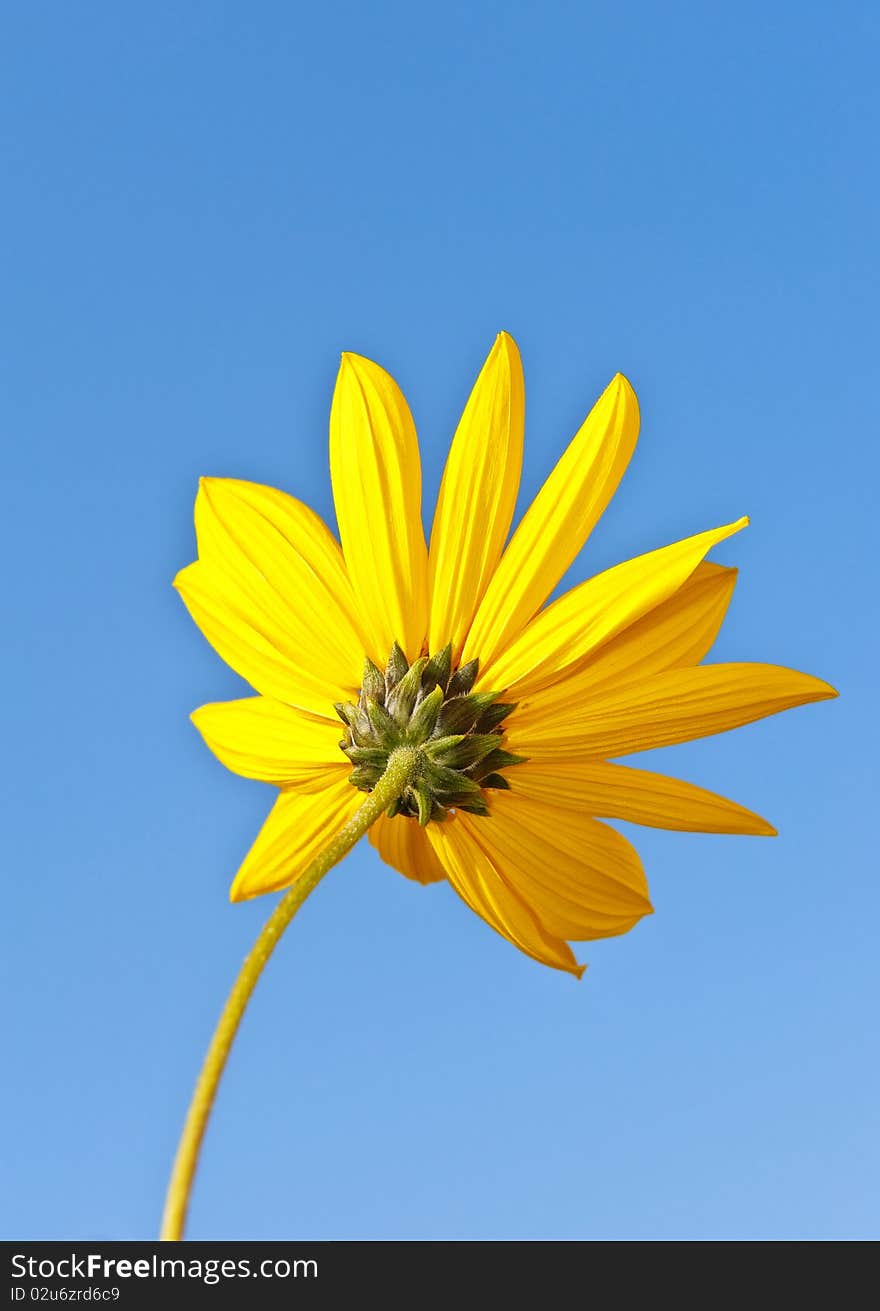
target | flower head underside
x=517, y=708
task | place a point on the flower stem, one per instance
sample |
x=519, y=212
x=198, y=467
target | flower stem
x=402, y=765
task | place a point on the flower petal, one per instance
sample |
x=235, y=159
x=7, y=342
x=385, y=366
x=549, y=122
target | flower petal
x=254, y=644
x=558, y=522
x=299, y=825
x=677, y=706
x=596, y=787
x=477, y=496
x=678, y=632
x=403, y=844
x=241, y=523
x=582, y=879
x=271, y=593
x=589, y=615
x=265, y=739
x=479, y=882
x=377, y=488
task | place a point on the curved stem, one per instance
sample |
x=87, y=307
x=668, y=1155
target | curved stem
x=401, y=766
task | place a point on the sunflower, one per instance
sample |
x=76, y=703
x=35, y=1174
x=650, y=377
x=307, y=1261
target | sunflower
x=507, y=712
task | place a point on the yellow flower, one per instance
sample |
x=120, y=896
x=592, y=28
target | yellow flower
x=516, y=708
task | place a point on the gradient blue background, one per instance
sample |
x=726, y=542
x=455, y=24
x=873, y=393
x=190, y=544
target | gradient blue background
x=204, y=204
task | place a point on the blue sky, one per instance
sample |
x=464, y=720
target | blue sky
x=204, y=205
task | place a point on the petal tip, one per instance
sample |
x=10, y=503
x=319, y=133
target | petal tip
x=209, y=485
x=819, y=690
x=347, y=367
x=211, y=493
x=178, y=582
x=730, y=529
x=621, y=396
x=352, y=360
x=241, y=890
x=621, y=384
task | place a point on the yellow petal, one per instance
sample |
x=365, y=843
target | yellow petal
x=583, y=619
x=254, y=644
x=481, y=885
x=677, y=706
x=582, y=879
x=265, y=739
x=403, y=844
x=477, y=496
x=240, y=522
x=298, y=827
x=558, y=522
x=377, y=488
x=678, y=632
x=271, y=593
x=595, y=787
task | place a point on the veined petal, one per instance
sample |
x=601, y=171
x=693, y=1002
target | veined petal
x=677, y=706
x=477, y=496
x=561, y=636
x=377, y=488
x=271, y=594
x=256, y=644
x=558, y=522
x=582, y=879
x=265, y=739
x=596, y=787
x=480, y=884
x=299, y=825
x=279, y=558
x=403, y=844
x=678, y=632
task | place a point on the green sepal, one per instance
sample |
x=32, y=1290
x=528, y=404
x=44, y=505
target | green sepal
x=396, y=667
x=401, y=698
x=439, y=747
x=375, y=756
x=424, y=803
x=461, y=713
x=365, y=776
x=437, y=669
x=463, y=679
x=475, y=807
x=424, y=718
x=495, y=760
x=494, y=714
x=496, y=781
x=373, y=682
x=470, y=749
x=442, y=779
x=462, y=800
x=382, y=724
x=358, y=724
